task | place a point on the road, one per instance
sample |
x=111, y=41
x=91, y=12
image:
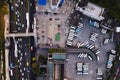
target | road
x=21, y=60
x=83, y=50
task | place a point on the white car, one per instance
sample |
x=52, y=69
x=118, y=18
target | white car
x=16, y=23
x=69, y=43
x=25, y=53
x=22, y=3
x=18, y=28
x=16, y=5
x=18, y=20
x=22, y=25
x=20, y=63
x=82, y=55
x=22, y=74
x=24, y=69
x=98, y=58
x=18, y=15
x=21, y=54
x=97, y=52
x=104, y=31
x=106, y=41
x=21, y=70
x=80, y=44
x=92, y=47
x=90, y=58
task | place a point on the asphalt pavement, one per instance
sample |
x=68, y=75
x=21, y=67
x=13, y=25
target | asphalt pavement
x=18, y=24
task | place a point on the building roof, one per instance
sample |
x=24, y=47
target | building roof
x=59, y=56
x=50, y=68
x=56, y=3
x=92, y=11
x=42, y=2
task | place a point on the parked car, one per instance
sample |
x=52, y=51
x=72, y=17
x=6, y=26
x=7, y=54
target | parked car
x=106, y=41
x=104, y=31
x=90, y=58
x=78, y=30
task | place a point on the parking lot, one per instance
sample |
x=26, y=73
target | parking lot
x=70, y=68
x=52, y=31
x=83, y=36
x=79, y=33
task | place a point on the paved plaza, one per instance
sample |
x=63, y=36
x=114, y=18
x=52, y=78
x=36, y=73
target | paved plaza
x=49, y=24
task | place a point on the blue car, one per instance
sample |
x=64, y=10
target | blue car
x=92, y=23
x=78, y=29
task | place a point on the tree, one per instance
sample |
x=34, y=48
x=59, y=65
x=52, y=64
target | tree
x=34, y=65
x=41, y=58
x=33, y=59
x=4, y=10
x=36, y=71
x=35, y=68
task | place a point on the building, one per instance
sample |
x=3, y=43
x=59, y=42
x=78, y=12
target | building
x=59, y=56
x=91, y=10
x=50, y=71
x=108, y=24
x=56, y=66
x=42, y=2
x=55, y=4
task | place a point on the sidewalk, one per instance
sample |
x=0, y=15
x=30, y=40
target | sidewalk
x=6, y=17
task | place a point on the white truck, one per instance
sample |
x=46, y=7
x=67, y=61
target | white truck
x=79, y=68
x=99, y=74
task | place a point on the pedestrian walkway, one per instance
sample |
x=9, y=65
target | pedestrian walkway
x=6, y=17
x=19, y=34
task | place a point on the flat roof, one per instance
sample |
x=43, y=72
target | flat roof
x=50, y=70
x=59, y=56
x=42, y=2
x=92, y=11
